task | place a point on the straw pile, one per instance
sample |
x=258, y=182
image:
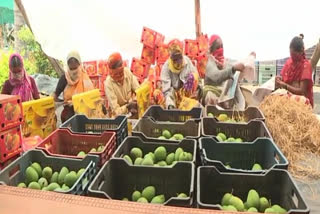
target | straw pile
x=296, y=130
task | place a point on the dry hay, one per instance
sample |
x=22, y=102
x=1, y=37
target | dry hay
x=296, y=130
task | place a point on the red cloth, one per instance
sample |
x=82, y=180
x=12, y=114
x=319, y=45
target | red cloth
x=117, y=74
x=298, y=68
x=218, y=53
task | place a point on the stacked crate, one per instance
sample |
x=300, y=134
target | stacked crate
x=10, y=127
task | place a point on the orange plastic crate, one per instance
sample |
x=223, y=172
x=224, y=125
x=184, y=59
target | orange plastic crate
x=162, y=53
x=201, y=65
x=151, y=38
x=203, y=43
x=148, y=55
x=139, y=68
x=11, y=114
x=191, y=48
x=91, y=68
x=10, y=143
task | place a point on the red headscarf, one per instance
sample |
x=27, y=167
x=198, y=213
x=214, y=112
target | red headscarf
x=218, y=53
x=298, y=68
x=116, y=67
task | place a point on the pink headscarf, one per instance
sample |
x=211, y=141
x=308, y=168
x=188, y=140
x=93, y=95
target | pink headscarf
x=21, y=87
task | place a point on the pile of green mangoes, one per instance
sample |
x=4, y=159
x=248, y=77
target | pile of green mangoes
x=255, y=167
x=221, y=137
x=254, y=203
x=148, y=195
x=225, y=118
x=82, y=154
x=159, y=157
x=167, y=135
x=40, y=178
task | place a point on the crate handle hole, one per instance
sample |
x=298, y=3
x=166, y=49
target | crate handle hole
x=277, y=158
x=295, y=199
x=2, y=125
x=14, y=171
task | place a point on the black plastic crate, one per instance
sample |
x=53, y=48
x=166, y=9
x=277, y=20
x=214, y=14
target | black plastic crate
x=247, y=131
x=251, y=113
x=13, y=174
x=188, y=145
x=148, y=129
x=117, y=180
x=81, y=124
x=277, y=185
x=242, y=156
x=173, y=115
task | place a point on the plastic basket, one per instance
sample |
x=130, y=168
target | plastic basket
x=117, y=180
x=80, y=124
x=188, y=145
x=159, y=114
x=15, y=172
x=248, y=131
x=62, y=143
x=147, y=129
x=242, y=156
x=276, y=185
x=251, y=113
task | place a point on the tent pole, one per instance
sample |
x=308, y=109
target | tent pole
x=197, y=18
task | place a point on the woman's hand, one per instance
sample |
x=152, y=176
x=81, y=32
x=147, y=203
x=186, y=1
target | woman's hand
x=279, y=83
x=238, y=67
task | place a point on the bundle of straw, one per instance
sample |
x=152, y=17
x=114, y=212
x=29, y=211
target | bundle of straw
x=296, y=130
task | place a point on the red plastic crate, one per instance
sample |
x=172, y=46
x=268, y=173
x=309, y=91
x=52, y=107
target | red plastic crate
x=162, y=53
x=139, y=68
x=10, y=143
x=148, y=55
x=103, y=68
x=151, y=38
x=201, y=65
x=62, y=143
x=91, y=68
x=98, y=81
x=203, y=42
x=159, y=39
x=191, y=48
x=11, y=114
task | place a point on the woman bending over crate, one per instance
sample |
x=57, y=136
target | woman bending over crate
x=120, y=87
x=74, y=81
x=179, y=77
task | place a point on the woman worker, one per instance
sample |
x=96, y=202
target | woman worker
x=176, y=73
x=296, y=75
x=217, y=71
x=19, y=82
x=74, y=81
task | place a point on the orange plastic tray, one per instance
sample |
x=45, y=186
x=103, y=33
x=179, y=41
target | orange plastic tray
x=34, y=202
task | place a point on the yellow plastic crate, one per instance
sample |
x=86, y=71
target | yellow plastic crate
x=38, y=116
x=88, y=103
x=143, y=97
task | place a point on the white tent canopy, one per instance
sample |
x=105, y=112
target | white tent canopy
x=96, y=28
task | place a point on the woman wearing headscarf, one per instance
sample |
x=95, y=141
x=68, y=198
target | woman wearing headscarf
x=178, y=72
x=74, y=81
x=217, y=71
x=296, y=75
x=120, y=87
x=19, y=82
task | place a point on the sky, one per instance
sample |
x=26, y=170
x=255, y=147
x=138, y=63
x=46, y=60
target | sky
x=99, y=27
